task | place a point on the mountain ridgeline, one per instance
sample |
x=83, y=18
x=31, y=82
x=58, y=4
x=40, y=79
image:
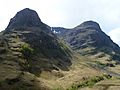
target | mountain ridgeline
x=35, y=56
x=88, y=38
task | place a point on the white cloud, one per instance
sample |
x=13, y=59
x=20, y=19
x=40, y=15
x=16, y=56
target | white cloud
x=66, y=13
x=115, y=35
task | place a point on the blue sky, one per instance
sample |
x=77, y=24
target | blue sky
x=68, y=13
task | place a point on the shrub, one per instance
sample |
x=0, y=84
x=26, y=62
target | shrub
x=27, y=51
x=102, y=65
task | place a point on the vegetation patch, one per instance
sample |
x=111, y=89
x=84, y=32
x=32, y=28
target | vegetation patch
x=28, y=54
x=101, y=64
x=27, y=51
x=90, y=82
x=64, y=48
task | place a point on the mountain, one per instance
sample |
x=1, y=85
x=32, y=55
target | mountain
x=94, y=49
x=26, y=18
x=35, y=56
x=28, y=47
x=88, y=38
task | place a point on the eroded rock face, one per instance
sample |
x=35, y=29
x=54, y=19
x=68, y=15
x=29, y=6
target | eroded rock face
x=88, y=24
x=25, y=17
x=89, y=35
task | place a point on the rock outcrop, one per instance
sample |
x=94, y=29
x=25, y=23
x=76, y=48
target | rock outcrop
x=25, y=17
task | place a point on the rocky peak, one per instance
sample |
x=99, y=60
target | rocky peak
x=25, y=17
x=89, y=25
x=89, y=35
x=26, y=29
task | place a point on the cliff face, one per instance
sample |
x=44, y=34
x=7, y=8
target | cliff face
x=25, y=17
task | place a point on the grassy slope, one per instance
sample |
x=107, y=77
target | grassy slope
x=12, y=75
x=79, y=71
x=82, y=69
x=20, y=66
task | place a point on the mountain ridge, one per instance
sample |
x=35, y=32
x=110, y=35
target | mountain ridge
x=35, y=56
x=89, y=34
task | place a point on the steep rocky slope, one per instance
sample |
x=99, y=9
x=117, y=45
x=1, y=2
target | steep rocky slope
x=88, y=38
x=28, y=47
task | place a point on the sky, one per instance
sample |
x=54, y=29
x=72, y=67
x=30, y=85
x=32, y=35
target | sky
x=68, y=13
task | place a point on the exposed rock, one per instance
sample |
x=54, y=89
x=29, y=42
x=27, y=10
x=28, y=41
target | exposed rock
x=88, y=25
x=26, y=18
x=89, y=35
